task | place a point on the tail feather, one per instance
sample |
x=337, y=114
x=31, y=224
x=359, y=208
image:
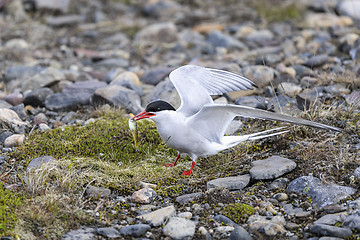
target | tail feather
x=231, y=141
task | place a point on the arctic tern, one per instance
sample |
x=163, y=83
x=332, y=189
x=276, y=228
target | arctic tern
x=198, y=126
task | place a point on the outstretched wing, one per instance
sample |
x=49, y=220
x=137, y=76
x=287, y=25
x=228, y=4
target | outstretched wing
x=195, y=84
x=212, y=120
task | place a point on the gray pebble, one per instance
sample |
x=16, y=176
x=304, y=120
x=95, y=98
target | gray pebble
x=327, y=230
x=108, y=232
x=158, y=217
x=97, y=192
x=83, y=233
x=183, y=199
x=271, y=168
x=4, y=135
x=117, y=96
x=321, y=194
x=240, y=233
x=39, y=161
x=279, y=183
x=225, y=220
x=145, y=195
x=352, y=222
x=230, y=183
x=136, y=230
x=155, y=75
x=219, y=39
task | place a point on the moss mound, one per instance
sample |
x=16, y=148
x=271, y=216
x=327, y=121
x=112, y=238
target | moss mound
x=9, y=203
x=238, y=212
x=107, y=139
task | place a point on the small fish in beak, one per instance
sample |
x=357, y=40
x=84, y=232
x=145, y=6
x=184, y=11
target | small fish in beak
x=133, y=129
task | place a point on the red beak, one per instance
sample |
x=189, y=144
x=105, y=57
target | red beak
x=143, y=115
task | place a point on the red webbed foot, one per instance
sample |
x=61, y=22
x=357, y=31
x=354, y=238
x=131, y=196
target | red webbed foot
x=174, y=163
x=187, y=173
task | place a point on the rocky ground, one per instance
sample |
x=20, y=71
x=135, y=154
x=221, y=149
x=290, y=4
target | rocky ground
x=71, y=71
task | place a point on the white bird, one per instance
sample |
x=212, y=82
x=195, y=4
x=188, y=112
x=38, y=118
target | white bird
x=198, y=126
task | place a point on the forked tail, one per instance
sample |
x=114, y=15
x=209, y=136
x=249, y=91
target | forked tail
x=231, y=141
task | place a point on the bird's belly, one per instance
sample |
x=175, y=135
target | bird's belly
x=188, y=142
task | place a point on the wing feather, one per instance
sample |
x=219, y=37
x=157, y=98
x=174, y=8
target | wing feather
x=195, y=84
x=217, y=117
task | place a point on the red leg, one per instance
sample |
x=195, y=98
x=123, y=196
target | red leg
x=187, y=173
x=174, y=163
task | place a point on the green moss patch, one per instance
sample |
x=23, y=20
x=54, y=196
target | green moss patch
x=238, y=212
x=9, y=204
x=107, y=139
x=275, y=10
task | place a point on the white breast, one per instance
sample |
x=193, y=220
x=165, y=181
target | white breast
x=177, y=135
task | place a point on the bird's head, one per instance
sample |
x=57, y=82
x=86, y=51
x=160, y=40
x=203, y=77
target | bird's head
x=154, y=108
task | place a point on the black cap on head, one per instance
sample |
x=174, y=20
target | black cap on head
x=159, y=105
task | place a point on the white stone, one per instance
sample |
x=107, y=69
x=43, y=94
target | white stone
x=290, y=89
x=179, y=228
x=186, y=215
x=43, y=127
x=14, y=140
x=349, y=8
x=224, y=229
x=10, y=117
x=158, y=217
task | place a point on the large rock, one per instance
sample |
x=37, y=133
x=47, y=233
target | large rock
x=332, y=231
x=66, y=101
x=230, y=183
x=10, y=117
x=240, y=233
x=118, y=96
x=165, y=90
x=350, y=8
x=21, y=72
x=45, y=78
x=321, y=194
x=136, y=230
x=156, y=75
x=108, y=232
x=271, y=168
x=37, y=97
x=129, y=80
x=85, y=87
